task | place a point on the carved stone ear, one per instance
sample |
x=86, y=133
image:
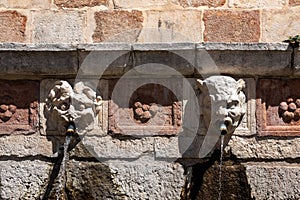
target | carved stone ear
x=201, y=85
x=240, y=85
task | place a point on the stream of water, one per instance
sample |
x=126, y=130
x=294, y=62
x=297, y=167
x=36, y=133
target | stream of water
x=62, y=178
x=220, y=169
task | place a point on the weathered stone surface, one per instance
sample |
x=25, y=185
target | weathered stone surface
x=58, y=27
x=167, y=148
x=253, y=148
x=18, y=107
x=164, y=94
x=29, y=4
x=203, y=181
x=107, y=147
x=294, y=2
x=197, y=3
x=81, y=3
x=231, y=26
x=23, y=179
x=270, y=118
x=22, y=146
x=89, y=180
x=257, y=4
x=139, y=3
x=274, y=180
x=244, y=62
x=278, y=25
x=117, y=26
x=13, y=26
x=171, y=26
x=146, y=178
x=22, y=63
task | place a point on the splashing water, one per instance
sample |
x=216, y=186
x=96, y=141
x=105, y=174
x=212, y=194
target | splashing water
x=220, y=167
x=62, y=179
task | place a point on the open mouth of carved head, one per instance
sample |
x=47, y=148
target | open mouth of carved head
x=78, y=105
x=222, y=101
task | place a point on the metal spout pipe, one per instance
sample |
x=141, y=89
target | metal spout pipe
x=70, y=129
x=223, y=129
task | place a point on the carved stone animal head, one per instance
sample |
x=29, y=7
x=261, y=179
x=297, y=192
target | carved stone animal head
x=222, y=101
x=78, y=105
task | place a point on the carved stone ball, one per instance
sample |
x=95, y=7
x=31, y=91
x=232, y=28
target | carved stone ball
x=139, y=111
x=283, y=106
x=292, y=107
x=297, y=114
x=146, y=115
x=153, y=109
x=138, y=104
x=297, y=102
x=290, y=100
x=288, y=116
x=3, y=108
x=146, y=107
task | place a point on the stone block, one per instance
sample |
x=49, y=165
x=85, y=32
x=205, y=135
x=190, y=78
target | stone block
x=25, y=179
x=171, y=26
x=237, y=62
x=257, y=4
x=103, y=148
x=133, y=4
x=294, y=2
x=33, y=63
x=231, y=26
x=13, y=26
x=91, y=180
x=145, y=107
x=118, y=26
x=167, y=148
x=146, y=178
x=197, y=3
x=278, y=25
x=278, y=107
x=29, y=4
x=18, y=107
x=80, y=3
x=256, y=148
x=58, y=27
x=274, y=180
x=23, y=146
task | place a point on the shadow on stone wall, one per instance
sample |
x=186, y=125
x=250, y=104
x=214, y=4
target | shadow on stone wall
x=204, y=184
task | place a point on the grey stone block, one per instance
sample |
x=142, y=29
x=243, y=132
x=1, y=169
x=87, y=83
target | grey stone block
x=274, y=180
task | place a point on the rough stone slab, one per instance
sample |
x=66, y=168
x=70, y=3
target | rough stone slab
x=22, y=146
x=231, y=26
x=133, y=4
x=294, y=2
x=253, y=148
x=167, y=148
x=23, y=179
x=248, y=62
x=58, y=27
x=80, y=3
x=112, y=148
x=274, y=180
x=38, y=63
x=146, y=178
x=278, y=25
x=170, y=26
x=37, y=47
x=117, y=26
x=257, y=4
x=29, y=4
x=197, y=3
x=13, y=26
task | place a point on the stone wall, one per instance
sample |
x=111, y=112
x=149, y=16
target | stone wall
x=43, y=41
x=88, y=21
